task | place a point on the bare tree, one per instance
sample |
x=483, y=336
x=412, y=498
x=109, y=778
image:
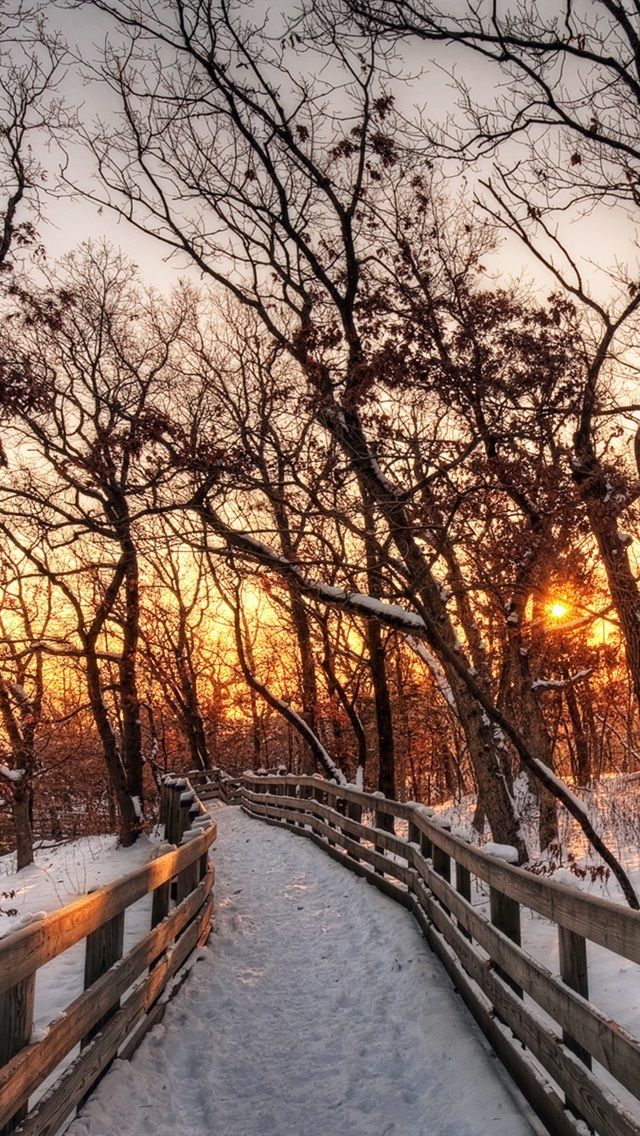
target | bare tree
x=89, y=467
x=31, y=66
x=563, y=139
x=285, y=197
x=26, y=605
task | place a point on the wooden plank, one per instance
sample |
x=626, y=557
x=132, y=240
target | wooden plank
x=160, y=903
x=76, y=1081
x=187, y=880
x=379, y=814
x=31, y=1065
x=25, y=951
x=505, y=915
x=463, y=887
x=441, y=864
x=354, y=814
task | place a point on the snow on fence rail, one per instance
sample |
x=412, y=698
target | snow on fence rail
x=548, y=1034
x=104, y=1026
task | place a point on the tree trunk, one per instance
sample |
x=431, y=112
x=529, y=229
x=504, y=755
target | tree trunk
x=299, y=619
x=130, y=826
x=582, y=764
x=21, y=809
x=377, y=659
x=600, y=502
x=130, y=701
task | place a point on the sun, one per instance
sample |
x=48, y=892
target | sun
x=557, y=609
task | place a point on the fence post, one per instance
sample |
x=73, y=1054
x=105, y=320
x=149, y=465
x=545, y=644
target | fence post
x=103, y=949
x=16, y=1015
x=380, y=821
x=354, y=812
x=162, y=894
x=171, y=828
x=442, y=862
x=426, y=846
x=162, y=812
x=303, y=795
x=189, y=876
x=187, y=801
x=331, y=803
x=573, y=970
x=463, y=887
x=505, y=915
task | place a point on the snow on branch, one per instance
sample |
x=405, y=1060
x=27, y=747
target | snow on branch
x=434, y=666
x=561, y=684
x=358, y=603
x=11, y=774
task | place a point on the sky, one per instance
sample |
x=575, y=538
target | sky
x=599, y=239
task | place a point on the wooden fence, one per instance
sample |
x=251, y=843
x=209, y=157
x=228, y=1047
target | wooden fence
x=215, y=784
x=572, y=1062
x=102, y=1024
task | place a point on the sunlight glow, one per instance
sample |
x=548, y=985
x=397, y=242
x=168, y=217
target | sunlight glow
x=557, y=609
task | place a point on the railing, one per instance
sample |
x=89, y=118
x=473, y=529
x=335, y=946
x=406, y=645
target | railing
x=215, y=784
x=553, y=1040
x=103, y=1025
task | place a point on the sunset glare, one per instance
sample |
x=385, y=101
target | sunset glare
x=557, y=609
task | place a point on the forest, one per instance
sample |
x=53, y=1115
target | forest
x=320, y=427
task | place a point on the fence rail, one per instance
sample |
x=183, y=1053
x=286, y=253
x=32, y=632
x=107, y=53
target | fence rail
x=573, y=1063
x=98, y=1020
x=215, y=784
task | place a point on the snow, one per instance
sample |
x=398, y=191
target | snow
x=368, y=605
x=560, y=684
x=502, y=851
x=566, y=877
x=317, y=1008
x=11, y=774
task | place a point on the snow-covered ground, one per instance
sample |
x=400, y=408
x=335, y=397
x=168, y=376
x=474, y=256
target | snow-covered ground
x=316, y=1008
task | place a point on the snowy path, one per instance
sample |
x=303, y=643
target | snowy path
x=318, y=1009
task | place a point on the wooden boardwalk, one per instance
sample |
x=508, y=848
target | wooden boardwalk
x=318, y=1008
x=318, y=998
